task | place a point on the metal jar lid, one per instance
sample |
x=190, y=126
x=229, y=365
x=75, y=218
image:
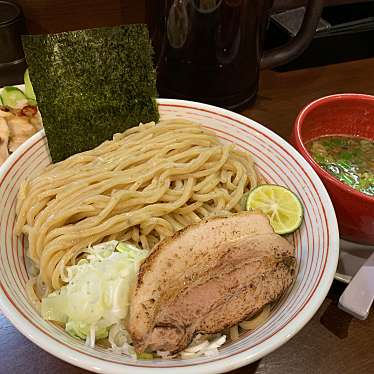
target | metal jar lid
x=9, y=12
x=12, y=26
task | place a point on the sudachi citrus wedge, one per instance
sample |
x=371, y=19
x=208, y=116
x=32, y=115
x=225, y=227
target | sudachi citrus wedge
x=281, y=205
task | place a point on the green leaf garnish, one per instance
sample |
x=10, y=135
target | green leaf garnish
x=91, y=84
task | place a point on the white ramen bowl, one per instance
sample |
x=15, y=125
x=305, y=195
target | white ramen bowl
x=316, y=243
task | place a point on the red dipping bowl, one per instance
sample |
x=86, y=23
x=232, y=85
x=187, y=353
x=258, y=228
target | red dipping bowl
x=349, y=115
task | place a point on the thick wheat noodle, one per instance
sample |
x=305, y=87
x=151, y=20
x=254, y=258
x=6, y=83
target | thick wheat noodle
x=142, y=186
x=257, y=320
x=250, y=324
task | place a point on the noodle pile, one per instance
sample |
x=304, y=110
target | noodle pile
x=142, y=186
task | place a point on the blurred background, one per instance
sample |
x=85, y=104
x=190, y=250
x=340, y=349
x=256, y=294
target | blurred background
x=345, y=32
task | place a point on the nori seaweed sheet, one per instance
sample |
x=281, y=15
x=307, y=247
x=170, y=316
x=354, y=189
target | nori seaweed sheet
x=91, y=84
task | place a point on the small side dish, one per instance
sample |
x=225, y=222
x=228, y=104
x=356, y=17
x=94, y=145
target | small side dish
x=19, y=117
x=344, y=166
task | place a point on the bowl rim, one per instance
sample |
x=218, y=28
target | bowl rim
x=300, y=145
x=237, y=360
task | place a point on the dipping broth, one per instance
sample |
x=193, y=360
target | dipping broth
x=349, y=159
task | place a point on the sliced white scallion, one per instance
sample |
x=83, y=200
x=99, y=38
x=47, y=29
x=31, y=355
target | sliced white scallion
x=97, y=294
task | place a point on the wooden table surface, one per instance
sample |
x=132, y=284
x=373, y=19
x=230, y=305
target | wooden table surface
x=332, y=342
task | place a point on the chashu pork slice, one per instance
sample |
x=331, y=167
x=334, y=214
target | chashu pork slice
x=207, y=277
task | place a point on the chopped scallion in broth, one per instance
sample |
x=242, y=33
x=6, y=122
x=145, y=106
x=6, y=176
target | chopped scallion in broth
x=349, y=159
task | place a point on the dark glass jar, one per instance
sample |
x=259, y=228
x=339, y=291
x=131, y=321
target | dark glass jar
x=12, y=59
x=212, y=50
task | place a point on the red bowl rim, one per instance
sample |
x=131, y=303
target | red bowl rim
x=303, y=150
